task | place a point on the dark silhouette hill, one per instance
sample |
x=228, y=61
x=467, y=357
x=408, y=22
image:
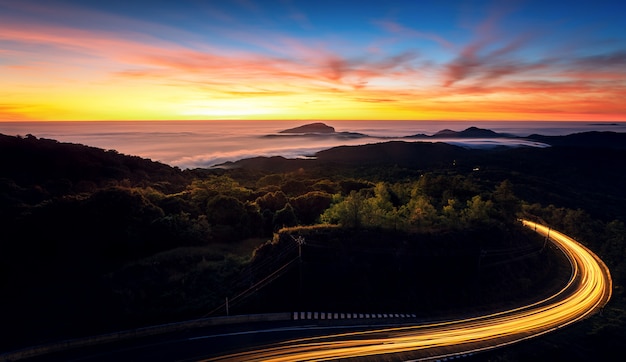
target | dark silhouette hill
x=31, y=160
x=405, y=154
x=593, y=139
x=471, y=132
x=428, y=154
x=414, y=154
x=584, y=169
x=317, y=127
x=271, y=164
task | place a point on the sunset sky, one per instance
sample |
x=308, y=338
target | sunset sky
x=312, y=60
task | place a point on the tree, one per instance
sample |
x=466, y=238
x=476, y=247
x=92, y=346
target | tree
x=294, y=188
x=254, y=219
x=614, y=249
x=326, y=186
x=180, y=229
x=346, y=211
x=225, y=210
x=228, y=218
x=506, y=203
x=270, y=180
x=477, y=210
x=450, y=214
x=272, y=201
x=347, y=186
x=310, y=206
x=223, y=185
x=285, y=217
x=421, y=212
x=379, y=210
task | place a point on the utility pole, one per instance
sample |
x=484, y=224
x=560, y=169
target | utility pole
x=300, y=241
x=227, y=312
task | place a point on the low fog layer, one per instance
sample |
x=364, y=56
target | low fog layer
x=205, y=144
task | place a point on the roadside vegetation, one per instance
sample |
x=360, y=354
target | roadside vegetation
x=94, y=241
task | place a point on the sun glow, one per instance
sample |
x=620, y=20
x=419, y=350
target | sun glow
x=239, y=108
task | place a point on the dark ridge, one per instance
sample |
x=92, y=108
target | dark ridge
x=446, y=133
x=272, y=164
x=415, y=154
x=30, y=160
x=427, y=154
x=593, y=139
x=471, y=132
x=405, y=154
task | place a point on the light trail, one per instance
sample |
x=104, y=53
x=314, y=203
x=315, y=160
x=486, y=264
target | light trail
x=588, y=290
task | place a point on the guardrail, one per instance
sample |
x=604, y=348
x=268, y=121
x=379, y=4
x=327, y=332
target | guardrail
x=335, y=316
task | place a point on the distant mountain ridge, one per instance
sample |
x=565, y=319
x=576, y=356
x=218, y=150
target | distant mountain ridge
x=415, y=153
x=471, y=132
x=56, y=159
x=319, y=128
x=606, y=139
x=592, y=139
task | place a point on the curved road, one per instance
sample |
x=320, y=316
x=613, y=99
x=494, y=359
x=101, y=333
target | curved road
x=588, y=290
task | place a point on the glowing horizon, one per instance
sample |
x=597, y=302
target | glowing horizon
x=247, y=60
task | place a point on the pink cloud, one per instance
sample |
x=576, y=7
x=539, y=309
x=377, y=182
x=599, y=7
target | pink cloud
x=478, y=60
x=76, y=42
x=141, y=56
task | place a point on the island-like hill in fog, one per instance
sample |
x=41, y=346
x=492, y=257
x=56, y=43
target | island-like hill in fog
x=317, y=127
x=413, y=153
x=322, y=129
x=592, y=139
x=471, y=132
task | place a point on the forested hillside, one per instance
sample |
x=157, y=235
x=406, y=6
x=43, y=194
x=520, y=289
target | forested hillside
x=96, y=241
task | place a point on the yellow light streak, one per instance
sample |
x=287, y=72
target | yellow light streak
x=588, y=289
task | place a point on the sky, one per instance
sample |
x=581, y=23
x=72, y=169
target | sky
x=312, y=60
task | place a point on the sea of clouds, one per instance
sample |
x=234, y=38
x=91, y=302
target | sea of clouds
x=192, y=144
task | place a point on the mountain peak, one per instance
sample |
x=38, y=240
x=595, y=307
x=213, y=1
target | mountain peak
x=471, y=132
x=317, y=127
